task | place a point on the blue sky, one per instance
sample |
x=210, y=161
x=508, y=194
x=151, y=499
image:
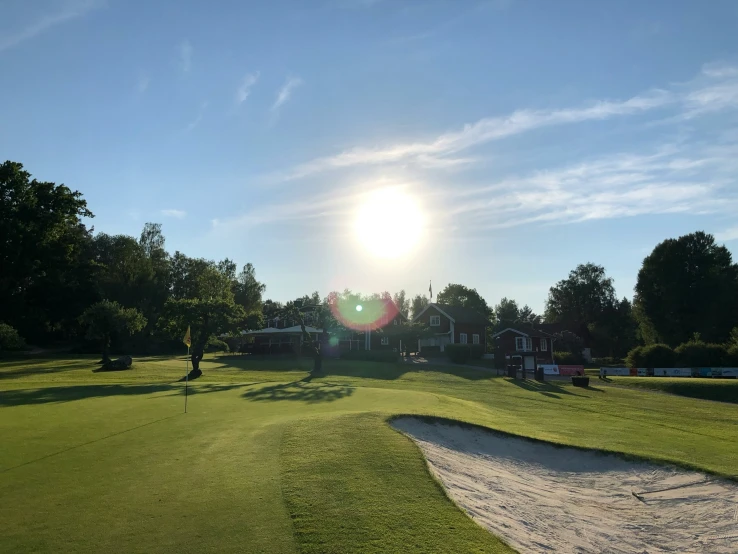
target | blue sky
x=532, y=136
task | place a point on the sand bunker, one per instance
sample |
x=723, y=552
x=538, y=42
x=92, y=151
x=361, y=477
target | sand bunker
x=541, y=498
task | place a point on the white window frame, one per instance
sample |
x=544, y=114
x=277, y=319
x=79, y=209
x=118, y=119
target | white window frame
x=475, y=338
x=395, y=322
x=522, y=342
x=385, y=341
x=435, y=321
x=463, y=338
x=544, y=345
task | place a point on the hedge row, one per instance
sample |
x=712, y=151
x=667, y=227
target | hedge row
x=688, y=354
x=462, y=353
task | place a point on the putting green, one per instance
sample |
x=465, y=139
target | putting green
x=265, y=461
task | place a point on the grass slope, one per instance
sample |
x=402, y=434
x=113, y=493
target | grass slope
x=721, y=390
x=267, y=461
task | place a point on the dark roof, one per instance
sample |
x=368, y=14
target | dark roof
x=463, y=315
x=527, y=329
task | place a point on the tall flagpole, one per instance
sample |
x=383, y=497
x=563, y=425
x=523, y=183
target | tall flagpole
x=187, y=376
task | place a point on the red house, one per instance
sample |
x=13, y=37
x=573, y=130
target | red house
x=453, y=325
x=520, y=341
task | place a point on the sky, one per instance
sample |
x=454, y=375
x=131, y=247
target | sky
x=381, y=144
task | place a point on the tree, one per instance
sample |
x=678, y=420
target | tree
x=205, y=317
x=402, y=303
x=527, y=315
x=105, y=319
x=418, y=304
x=45, y=277
x=248, y=290
x=685, y=286
x=410, y=334
x=507, y=312
x=459, y=295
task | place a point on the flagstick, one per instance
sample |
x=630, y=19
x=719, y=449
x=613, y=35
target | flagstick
x=187, y=376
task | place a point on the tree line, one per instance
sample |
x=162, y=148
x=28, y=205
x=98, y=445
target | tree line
x=61, y=281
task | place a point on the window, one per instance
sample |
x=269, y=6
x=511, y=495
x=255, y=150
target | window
x=523, y=344
x=544, y=345
x=475, y=339
x=385, y=341
x=462, y=338
x=435, y=321
x=395, y=321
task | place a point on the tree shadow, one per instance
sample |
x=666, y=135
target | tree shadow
x=547, y=388
x=48, y=395
x=302, y=390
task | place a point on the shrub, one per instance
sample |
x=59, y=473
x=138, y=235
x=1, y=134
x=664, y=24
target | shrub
x=600, y=362
x=731, y=356
x=476, y=351
x=214, y=344
x=370, y=355
x=697, y=353
x=10, y=339
x=458, y=353
x=653, y=355
x=568, y=358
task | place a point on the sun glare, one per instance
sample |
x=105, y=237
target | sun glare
x=389, y=223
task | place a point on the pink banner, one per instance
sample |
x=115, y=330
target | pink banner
x=571, y=370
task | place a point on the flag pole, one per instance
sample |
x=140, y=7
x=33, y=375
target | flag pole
x=187, y=376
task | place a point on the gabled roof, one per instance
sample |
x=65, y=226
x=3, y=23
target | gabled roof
x=457, y=314
x=286, y=330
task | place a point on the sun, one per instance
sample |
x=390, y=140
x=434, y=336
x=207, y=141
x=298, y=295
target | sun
x=389, y=223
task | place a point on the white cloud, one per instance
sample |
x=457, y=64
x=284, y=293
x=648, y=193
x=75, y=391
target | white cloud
x=143, y=84
x=245, y=89
x=727, y=234
x=284, y=93
x=715, y=89
x=70, y=10
x=179, y=214
x=185, y=56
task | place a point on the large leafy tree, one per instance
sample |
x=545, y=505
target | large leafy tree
x=402, y=302
x=582, y=297
x=45, y=281
x=418, y=304
x=460, y=295
x=507, y=312
x=105, y=319
x=685, y=286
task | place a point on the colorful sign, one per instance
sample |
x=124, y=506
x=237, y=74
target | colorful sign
x=571, y=370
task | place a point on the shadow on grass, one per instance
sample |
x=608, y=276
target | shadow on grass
x=49, y=395
x=546, y=388
x=302, y=390
x=346, y=368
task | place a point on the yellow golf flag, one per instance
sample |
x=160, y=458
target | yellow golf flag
x=187, y=339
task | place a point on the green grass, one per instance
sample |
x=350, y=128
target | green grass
x=267, y=461
x=722, y=390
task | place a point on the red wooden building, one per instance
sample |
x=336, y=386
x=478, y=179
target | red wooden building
x=453, y=325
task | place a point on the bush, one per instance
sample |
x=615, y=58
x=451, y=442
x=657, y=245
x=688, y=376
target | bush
x=616, y=362
x=10, y=339
x=731, y=358
x=214, y=344
x=476, y=351
x=370, y=355
x=568, y=358
x=653, y=355
x=458, y=353
x=697, y=353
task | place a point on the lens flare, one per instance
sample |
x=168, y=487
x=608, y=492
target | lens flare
x=369, y=315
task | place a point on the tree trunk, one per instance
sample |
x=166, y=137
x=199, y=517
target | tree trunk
x=195, y=358
x=105, y=352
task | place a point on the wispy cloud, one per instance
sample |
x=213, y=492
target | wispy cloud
x=728, y=234
x=245, y=88
x=68, y=11
x=143, y=83
x=195, y=122
x=185, y=56
x=716, y=89
x=179, y=214
x=285, y=92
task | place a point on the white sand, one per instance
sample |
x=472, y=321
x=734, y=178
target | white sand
x=542, y=498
